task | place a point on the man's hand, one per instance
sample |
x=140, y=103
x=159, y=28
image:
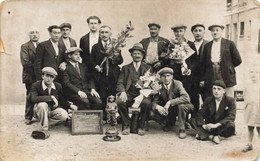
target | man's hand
x=74, y=107
x=202, y=83
x=82, y=94
x=205, y=127
x=98, y=68
x=167, y=106
x=161, y=110
x=94, y=93
x=123, y=97
x=157, y=65
x=55, y=101
x=63, y=66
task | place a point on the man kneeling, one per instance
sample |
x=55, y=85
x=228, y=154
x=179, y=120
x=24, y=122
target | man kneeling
x=50, y=106
x=172, y=100
x=217, y=116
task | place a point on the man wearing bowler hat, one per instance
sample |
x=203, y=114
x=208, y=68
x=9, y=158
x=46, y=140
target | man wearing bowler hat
x=154, y=46
x=217, y=115
x=65, y=39
x=172, y=101
x=50, y=106
x=220, y=58
x=79, y=86
x=127, y=90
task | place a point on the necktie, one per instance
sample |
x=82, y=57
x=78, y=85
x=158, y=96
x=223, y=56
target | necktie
x=77, y=69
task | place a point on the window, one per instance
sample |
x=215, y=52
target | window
x=229, y=3
x=228, y=31
x=249, y=30
x=242, y=29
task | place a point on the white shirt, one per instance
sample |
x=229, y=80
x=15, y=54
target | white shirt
x=93, y=39
x=137, y=65
x=55, y=46
x=167, y=87
x=215, y=51
x=44, y=87
x=66, y=42
x=35, y=44
x=197, y=45
x=152, y=52
x=217, y=104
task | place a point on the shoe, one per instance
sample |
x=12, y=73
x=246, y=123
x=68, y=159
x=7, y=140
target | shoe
x=28, y=121
x=247, y=148
x=40, y=134
x=126, y=131
x=141, y=132
x=187, y=125
x=214, y=139
x=197, y=137
x=182, y=134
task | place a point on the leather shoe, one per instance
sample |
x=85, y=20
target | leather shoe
x=182, y=134
x=247, y=148
x=28, y=121
x=141, y=132
x=126, y=130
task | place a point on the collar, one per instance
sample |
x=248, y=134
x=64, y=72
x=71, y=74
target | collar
x=44, y=87
x=156, y=39
x=96, y=34
x=104, y=43
x=54, y=43
x=217, y=41
x=73, y=63
x=168, y=86
x=67, y=39
x=198, y=42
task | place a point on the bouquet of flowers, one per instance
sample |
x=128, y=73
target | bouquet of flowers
x=148, y=84
x=116, y=44
x=178, y=53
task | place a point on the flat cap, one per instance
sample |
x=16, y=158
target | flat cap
x=49, y=70
x=211, y=27
x=137, y=46
x=179, y=26
x=65, y=25
x=154, y=24
x=219, y=83
x=197, y=25
x=165, y=70
x=72, y=50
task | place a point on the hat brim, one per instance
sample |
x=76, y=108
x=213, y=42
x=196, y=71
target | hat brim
x=198, y=25
x=212, y=26
x=71, y=52
x=179, y=27
x=49, y=73
x=132, y=49
x=150, y=25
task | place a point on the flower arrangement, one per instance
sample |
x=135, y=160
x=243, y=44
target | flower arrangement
x=113, y=49
x=148, y=84
x=178, y=53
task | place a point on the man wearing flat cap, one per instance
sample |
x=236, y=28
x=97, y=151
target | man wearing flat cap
x=127, y=90
x=65, y=39
x=217, y=115
x=50, y=53
x=90, y=39
x=172, y=101
x=27, y=56
x=198, y=31
x=50, y=106
x=154, y=46
x=220, y=58
x=79, y=86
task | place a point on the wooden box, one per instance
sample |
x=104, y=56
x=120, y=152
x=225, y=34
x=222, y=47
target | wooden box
x=87, y=122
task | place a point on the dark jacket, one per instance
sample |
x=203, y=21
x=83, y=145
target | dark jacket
x=46, y=57
x=27, y=56
x=226, y=111
x=73, y=82
x=72, y=42
x=177, y=95
x=38, y=95
x=229, y=59
x=126, y=76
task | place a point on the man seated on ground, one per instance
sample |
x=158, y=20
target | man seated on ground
x=127, y=90
x=217, y=115
x=78, y=84
x=172, y=100
x=49, y=104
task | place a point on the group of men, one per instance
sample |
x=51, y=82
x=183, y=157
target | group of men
x=59, y=76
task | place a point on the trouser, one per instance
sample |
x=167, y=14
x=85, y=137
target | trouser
x=225, y=130
x=28, y=105
x=181, y=110
x=123, y=111
x=89, y=103
x=47, y=117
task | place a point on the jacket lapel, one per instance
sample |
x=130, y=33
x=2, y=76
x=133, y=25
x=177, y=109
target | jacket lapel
x=222, y=48
x=31, y=46
x=164, y=94
x=51, y=48
x=73, y=70
x=212, y=109
x=221, y=108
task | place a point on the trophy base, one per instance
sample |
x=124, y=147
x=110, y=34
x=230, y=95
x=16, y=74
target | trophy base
x=111, y=138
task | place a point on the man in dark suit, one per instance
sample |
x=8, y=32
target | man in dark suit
x=106, y=74
x=154, y=46
x=198, y=31
x=90, y=39
x=65, y=39
x=220, y=58
x=173, y=100
x=217, y=116
x=50, y=53
x=27, y=56
x=78, y=83
x=127, y=91
x=50, y=106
